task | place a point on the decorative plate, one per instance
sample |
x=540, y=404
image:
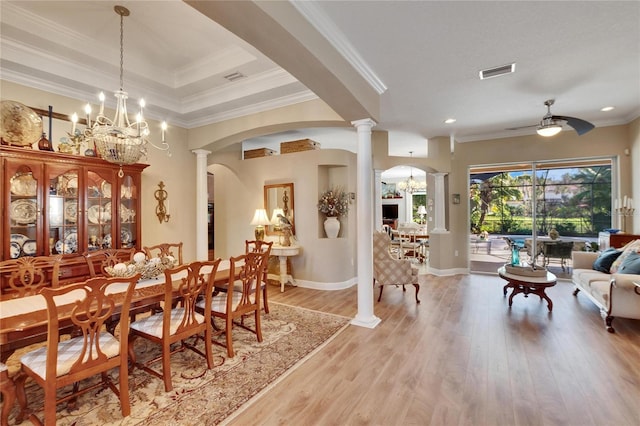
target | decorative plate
x=23, y=211
x=68, y=184
x=106, y=189
x=96, y=215
x=19, y=239
x=106, y=242
x=29, y=247
x=127, y=215
x=19, y=124
x=15, y=249
x=24, y=185
x=70, y=244
x=71, y=211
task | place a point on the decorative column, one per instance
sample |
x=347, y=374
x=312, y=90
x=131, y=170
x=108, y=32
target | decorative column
x=377, y=199
x=202, y=199
x=364, y=204
x=439, y=200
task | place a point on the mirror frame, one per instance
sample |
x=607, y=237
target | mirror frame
x=274, y=192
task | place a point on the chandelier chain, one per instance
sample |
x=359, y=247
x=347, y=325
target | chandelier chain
x=121, y=51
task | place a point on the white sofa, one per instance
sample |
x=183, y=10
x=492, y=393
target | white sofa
x=614, y=294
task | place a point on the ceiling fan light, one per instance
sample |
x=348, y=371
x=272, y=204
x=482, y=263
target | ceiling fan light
x=548, y=130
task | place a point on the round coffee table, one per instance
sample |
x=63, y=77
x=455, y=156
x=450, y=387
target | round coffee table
x=527, y=285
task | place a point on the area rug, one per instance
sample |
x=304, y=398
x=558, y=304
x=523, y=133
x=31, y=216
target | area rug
x=201, y=396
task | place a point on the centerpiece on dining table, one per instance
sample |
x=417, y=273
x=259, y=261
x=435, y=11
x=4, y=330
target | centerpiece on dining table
x=147, y=268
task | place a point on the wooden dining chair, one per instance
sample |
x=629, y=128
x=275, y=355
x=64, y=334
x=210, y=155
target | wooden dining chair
x=177, y=324
x=94, y=351
x=26, y=276
x=164, y=250
x=241, y=298
x=260, y=246
x=99, y=260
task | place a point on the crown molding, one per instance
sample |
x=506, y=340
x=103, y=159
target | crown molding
x=336, y=38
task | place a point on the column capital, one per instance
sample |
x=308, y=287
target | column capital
x=201, y=152
x=365, y=122
x=439, y=174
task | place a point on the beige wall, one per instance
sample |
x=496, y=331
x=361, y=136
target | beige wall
x=323, y=263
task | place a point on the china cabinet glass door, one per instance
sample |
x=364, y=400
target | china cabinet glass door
x=24, y=209
x=100, y=209
x=128, y=211
x=63, y=210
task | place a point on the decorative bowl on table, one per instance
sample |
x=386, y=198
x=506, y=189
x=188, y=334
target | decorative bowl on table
x=150, y=268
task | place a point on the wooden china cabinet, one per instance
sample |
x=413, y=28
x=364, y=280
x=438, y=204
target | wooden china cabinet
x=55, y=203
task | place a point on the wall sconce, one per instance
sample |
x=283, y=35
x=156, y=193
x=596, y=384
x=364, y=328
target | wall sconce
x=161, y=210
x=260, y=219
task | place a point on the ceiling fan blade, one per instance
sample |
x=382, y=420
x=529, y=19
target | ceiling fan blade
x=580, y=126
x=522, y=127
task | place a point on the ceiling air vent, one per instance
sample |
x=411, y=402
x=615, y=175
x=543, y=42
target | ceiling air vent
x=234, y=76
x=497, y=71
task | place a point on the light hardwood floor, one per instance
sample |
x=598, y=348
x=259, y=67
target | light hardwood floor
x=461, y=357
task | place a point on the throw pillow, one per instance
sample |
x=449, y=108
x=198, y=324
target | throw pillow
x=630, y=265
x=632, y=247
x=605, y=259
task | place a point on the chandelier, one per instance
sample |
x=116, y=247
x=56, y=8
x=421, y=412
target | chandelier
x=411, y=185
x=120, y=141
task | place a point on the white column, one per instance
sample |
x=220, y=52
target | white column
x=377, y=199
x=364, y=205
x=439, y=199
x=202, y=198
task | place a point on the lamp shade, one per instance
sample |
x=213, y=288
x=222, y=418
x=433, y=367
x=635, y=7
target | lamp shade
x=548, y=130
x=422, y=210
x=260, y=218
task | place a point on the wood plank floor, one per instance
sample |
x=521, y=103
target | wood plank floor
x=461, y=357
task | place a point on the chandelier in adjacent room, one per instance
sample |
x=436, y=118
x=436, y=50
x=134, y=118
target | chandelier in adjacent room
x=120, y=141
x=411, y=185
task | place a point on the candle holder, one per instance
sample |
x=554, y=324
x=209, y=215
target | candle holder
x=624, y=212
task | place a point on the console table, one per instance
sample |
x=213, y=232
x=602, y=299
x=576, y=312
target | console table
x=283, y=252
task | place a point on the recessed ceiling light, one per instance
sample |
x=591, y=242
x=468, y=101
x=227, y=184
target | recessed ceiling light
x=607, y=108
x=450, y=121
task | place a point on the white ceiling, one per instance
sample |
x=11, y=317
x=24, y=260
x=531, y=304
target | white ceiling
x=423, y=57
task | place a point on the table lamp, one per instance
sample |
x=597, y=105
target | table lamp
x=260, y=219
x=421, y=212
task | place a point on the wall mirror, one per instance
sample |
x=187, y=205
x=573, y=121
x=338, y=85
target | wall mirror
x=279, y=196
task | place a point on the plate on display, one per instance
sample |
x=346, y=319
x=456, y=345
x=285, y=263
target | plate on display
x=106, y=189
x=98, y=214
x=71, y=211
x=19, y=124
x=69, y=245
x=23, y=211
x=24, y=185
x=14, y=250
x=19, y=239
x=106, y=242
x=29, y=247
x=68, y=184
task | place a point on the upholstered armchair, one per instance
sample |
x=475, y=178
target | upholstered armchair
x=388, y=270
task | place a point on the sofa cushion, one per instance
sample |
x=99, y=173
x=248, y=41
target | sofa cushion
x=605, y=259
x=630, y=265
x=633, y=246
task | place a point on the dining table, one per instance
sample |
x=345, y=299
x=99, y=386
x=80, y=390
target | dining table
x=23, y=321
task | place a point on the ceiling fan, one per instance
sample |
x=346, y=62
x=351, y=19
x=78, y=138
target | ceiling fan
x=550, y=126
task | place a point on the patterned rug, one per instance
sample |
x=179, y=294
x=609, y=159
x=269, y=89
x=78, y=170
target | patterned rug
x=201, y=396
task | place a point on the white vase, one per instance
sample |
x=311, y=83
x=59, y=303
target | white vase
x=331, y=227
